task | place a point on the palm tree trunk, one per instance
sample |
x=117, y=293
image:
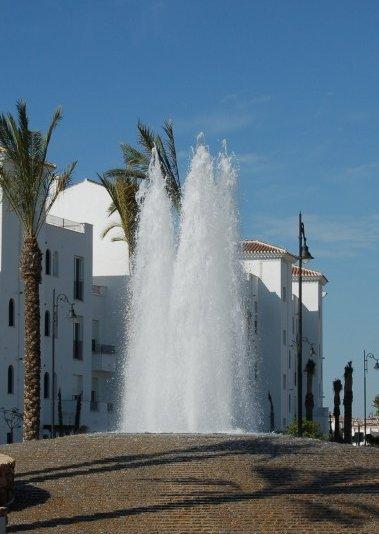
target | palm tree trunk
x=348, y=402
x=31, y=266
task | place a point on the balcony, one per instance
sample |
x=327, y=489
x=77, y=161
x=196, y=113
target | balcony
x=103, y=362
x=99, y=348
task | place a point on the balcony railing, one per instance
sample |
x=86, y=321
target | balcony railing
x=65, y=223
x=78, y=289
x=99, y=348
x=105, y=363
x=78, y=349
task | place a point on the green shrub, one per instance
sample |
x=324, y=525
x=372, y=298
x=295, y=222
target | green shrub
x=310, y=429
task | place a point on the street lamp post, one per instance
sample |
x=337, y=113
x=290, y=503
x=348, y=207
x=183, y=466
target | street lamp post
x=71, y=315
x=366, y=356
x=304, y=255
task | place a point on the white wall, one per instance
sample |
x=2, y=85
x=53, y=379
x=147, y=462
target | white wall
x=88, y=202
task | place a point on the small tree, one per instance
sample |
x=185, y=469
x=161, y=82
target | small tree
x=310, y=429
x=376, y=404
x=337, y=386
x=348, y=402
x=13, y=419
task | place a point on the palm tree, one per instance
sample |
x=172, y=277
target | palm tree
x=122, y=184
x=337, y=387
x=348, y=403
x=123, y=194
x=30, y=186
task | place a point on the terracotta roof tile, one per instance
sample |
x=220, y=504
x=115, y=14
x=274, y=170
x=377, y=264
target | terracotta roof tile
x=265, y=249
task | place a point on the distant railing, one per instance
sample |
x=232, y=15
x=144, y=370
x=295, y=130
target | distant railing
x=65, y=223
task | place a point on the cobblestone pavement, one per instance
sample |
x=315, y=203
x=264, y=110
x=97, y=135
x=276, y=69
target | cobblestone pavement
x=193, y=483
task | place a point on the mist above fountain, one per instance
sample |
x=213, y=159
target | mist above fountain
x=187, y=366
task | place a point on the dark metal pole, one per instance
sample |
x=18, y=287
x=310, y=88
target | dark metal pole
x=364, y=393
x=55, y=311
x=300, y=337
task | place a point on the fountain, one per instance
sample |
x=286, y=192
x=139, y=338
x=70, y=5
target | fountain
x=188, y=367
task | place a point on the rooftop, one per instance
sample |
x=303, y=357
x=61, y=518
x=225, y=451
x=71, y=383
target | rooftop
x=254, y=247
x=309, y=274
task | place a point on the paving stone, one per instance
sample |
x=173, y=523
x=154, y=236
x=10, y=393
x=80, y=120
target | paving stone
x=106, y=483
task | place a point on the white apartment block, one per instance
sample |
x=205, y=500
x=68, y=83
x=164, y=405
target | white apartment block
x=92, y=273
x=88, y=348
x=273, y=315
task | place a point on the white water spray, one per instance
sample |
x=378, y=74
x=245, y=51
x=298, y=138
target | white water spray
x=187, y=365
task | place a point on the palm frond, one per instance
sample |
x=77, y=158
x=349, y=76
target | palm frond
x=26, y=178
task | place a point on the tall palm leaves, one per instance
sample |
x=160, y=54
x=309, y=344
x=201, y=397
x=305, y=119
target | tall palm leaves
x=30, y=186
x=122, y=184
x=123, y=194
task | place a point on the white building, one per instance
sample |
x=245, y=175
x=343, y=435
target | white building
x=273, y=315
x=86, y=349
x=93, y=272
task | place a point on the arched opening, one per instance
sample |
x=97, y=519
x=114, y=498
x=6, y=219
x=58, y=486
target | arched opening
x=46, y=386
x=10, y=387
x=48, y=262
x=47, y=323
x=11, y=313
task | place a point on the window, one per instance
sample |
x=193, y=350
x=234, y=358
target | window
x=289, y=359
x=48, y=262
x=9, y=437
x=78, y=339
x=77, y=386
x=78, y=278
x=47, y=323
x=46, y=386
x=289, y=403
x=284, y=293
x=55, y=263
x=10, y=387
x=295, y=378
x=284, y=337
x=11, y=314
x=284, y=381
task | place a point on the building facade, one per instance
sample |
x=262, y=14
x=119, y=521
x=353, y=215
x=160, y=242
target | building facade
x=92, y=273
x=86, y=346
x=272, y=280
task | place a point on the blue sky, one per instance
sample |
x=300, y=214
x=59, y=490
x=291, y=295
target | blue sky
x=293, y=87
